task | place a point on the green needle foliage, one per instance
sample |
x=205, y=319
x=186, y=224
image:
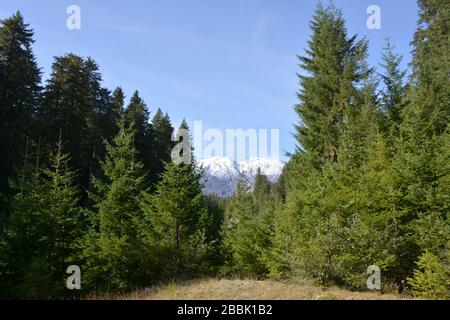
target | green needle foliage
x=369, y=182
x=112, y=247
x=43, y=230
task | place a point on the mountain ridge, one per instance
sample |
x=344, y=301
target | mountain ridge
x=221, y=174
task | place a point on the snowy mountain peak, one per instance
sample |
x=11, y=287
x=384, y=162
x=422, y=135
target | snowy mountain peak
x=222, y=174
x=271, y=168
x=220, y=167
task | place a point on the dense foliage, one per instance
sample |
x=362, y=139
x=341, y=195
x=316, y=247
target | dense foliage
x=86, y=181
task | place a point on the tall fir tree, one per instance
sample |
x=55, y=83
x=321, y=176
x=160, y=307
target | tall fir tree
x=178, y=212
x=118, y=101
x=422, y=133
x=44, y=229
x=431, y=64
x=112, y=249
x=137, y=115
x=394, y=89
x=20, y=89
x=162, y=144
x=110, y=112
x=327, y=84
x=178, y=215
x=241, y=231
x=73, y=103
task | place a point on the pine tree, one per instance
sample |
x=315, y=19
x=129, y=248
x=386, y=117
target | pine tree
x=249, y=228
x=327, y=86
x=118, y=101
x=112, y=249
x=41, y=238
x=372, y=222
x=419, y=160
x=161, y=132
x=137, y=115
x=213, y=235
x=431, y=64
x=178, y=210
x=19, y=94
x=394, y=88
x=177, y=214
x=261, y=189
x=432, y=278
x=239, y=232
x=72, y=105
x=109, y=113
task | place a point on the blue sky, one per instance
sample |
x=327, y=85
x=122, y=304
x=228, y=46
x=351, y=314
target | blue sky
x=228, y=63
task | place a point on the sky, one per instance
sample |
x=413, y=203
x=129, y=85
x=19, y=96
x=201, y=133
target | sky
x=228, y=63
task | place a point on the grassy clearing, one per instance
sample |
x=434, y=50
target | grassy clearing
x=223, y=289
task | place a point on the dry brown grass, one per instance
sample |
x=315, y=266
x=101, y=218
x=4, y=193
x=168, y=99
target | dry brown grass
x=215, y=289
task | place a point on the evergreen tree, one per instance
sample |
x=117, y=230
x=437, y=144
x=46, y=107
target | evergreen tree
x=72, y=102
x=44, y=229
x=177, y=215
x=213, y=235
x=261, y=189
x=394, y=88
x=240, y=233
x=178, y=210
x=110, y=112
x=112, y=249
x=431, y=64
x=249, y=228
x=137, y=115
x=118, y=101
x=419, y=156
x=432, y=279
x=161, y=132
x=19, y=94
x=331, y=69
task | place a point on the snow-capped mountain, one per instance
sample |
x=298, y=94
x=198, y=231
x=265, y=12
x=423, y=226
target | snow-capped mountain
x=271, y=168
x=222, y=174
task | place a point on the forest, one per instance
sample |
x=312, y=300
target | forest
x=87, y=178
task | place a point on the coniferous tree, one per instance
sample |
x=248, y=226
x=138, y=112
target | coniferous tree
x=162, y=144
x=331, y=69
x=394, y=89
x=113, y=113
x=19, y=94
x=137, y=115
x=340, y=113
x=432, y=278
x=240, y=233
x=419, y=157
x=249, y=228
x=41, y=239
x=118, y=101
x=177, y=214
x=261, y=189
x=73, y=99
x=112, y=249
x=431, y=63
